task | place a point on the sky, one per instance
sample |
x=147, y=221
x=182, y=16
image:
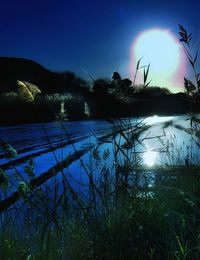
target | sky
x=87, y=37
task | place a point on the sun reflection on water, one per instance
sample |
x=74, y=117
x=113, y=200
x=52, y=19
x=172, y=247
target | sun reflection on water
x=151, y=120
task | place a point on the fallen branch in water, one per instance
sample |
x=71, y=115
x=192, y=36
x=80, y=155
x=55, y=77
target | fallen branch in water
x=27, y=157
x=38, y=181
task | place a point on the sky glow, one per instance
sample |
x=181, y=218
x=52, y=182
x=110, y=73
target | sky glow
x=160, y=49
x=149, y=158
x=92, y=36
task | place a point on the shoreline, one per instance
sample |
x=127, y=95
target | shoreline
x=21, y=123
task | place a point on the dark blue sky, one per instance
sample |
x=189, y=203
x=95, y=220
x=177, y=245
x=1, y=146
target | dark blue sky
x=94, y=36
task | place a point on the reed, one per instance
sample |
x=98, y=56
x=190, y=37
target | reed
x=111, y=215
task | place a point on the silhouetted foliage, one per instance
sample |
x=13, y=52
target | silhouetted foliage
x=13, y=69
x=151, y=92
x=116, y=77
x=115, y=97
x=189, y=87
x=192, y=87
x=121, y=87
x=101, y=87
x=73, y=82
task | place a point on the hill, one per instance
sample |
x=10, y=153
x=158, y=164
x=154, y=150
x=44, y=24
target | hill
x=13, y=69
x=105, y=100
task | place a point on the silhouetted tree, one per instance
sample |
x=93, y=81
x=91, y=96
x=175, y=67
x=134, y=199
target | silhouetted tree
x=101, y=87
x=116, y=78
x=122, y=87
x=152, y=92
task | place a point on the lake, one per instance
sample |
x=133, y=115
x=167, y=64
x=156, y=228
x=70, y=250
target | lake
x=149, y=142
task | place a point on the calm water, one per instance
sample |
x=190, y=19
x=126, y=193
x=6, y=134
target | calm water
x=165, y=141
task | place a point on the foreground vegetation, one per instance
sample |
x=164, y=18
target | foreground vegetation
x=124, y=210
x=113, y=215
x=157, y=223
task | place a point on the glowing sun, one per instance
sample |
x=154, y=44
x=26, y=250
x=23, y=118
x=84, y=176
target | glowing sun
x=149, y=158
x=162, y=50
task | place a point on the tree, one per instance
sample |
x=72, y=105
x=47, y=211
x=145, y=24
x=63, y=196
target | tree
x=101, y=87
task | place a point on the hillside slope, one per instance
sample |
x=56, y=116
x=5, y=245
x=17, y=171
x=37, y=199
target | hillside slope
x=13, y=69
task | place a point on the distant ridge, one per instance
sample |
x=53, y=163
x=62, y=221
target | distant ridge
x=102, y=104
x=13, y=69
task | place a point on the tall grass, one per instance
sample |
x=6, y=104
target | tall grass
x=113, y=215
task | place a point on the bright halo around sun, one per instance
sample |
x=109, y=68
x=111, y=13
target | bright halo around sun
x=149, y=158
x=160, y=49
